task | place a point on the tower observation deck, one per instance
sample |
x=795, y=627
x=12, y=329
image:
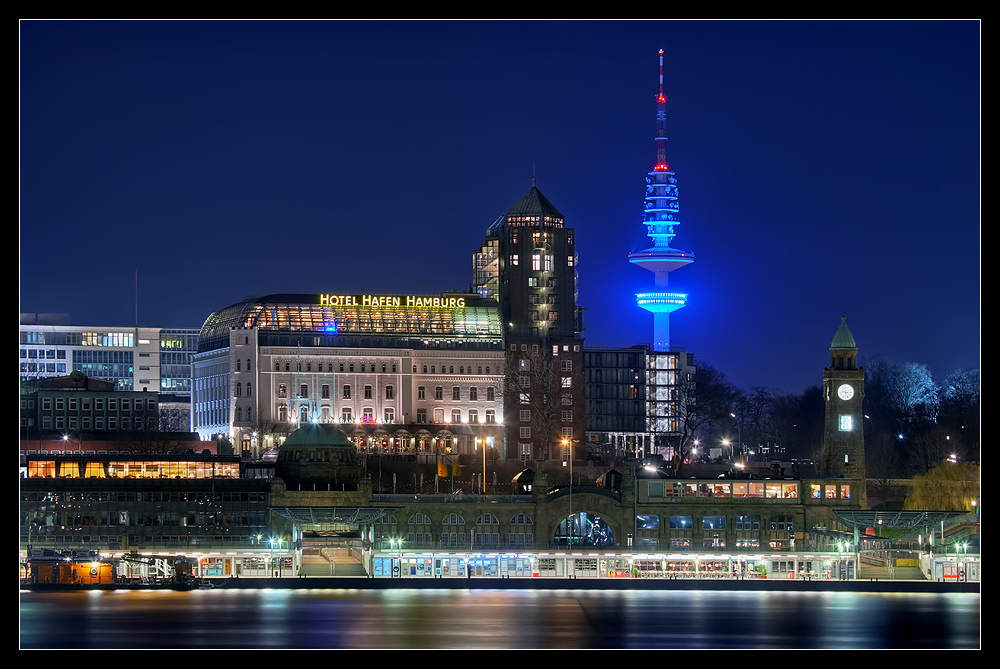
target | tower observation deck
x=660, y=219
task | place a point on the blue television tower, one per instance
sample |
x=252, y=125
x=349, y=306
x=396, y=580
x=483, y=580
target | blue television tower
x=661, y=219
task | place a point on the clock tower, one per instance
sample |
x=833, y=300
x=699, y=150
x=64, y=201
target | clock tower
x=844, y=390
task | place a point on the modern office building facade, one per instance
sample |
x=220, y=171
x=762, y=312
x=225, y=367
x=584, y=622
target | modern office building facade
x=528, y=262
x=634, y=399
x=135, y=359
x=404, y=374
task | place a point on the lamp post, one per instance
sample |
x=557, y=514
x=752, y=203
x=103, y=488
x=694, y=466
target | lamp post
x=739, y=432
x=571, y=522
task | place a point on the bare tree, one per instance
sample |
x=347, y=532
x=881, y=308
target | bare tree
x=530, y=385
x=882, y=465
x=151, y=438
x=704, y=404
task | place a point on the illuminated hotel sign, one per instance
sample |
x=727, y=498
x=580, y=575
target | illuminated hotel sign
x=406, y=301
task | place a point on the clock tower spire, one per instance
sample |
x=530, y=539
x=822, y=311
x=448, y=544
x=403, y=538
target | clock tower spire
x=844, y=391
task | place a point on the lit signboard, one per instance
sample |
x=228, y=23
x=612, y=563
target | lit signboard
x=404, y=301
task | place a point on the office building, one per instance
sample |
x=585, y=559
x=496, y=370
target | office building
x=528, y=263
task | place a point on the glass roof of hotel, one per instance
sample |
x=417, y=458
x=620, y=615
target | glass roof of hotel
x=290, y=314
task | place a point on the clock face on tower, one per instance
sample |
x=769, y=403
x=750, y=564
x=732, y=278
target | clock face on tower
x=845, y=391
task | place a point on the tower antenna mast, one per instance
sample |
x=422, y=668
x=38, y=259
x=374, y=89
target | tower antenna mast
x=661, y=218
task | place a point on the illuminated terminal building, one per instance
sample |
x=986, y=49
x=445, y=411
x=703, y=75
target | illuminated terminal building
x=403, y=374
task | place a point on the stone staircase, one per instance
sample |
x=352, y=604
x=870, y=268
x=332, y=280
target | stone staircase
x=328, y=562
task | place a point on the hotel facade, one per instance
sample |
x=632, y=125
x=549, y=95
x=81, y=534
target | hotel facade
x=400, y=374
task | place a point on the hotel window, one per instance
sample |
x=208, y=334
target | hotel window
x=126, y=405
x=567, y=433
x=525, y=433
x=383, y=369
x=388, y=392
x=325, y=390
x=567, y=416
x=525, y=415
x=569, y=261
x=341, y=366
x=248, y=364
x=390, y=415
x=345, y=415
x=421, y=415
x=456, y=415
x=567, y=382
x=439, y=393
x=282, y=390
x=456, y=393
x=238, y=365
x=99, y=405
x=347, y=392
x=491, y=416
x=845, y=492
x=277, y=366
x=425, y=369
x=473, y=394
x=303, y=391
x=473, y=416
x=438, y=415
x=249, y=389
x=514, y=259
x=490, y=394
x=566, y=365
x=367, y=415
x=536, y=261
x=239, y=390
x=548, y=263
x=239, y=414
x=533, y=282
x=553, y=315
x=368, y=392
x=250, y=414
x=420, y=393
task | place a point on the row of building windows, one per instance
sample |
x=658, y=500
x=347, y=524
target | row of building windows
x=76, y=403
x=84, y=423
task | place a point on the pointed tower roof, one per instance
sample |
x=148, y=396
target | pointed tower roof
x=843, y=339
x=534, y=204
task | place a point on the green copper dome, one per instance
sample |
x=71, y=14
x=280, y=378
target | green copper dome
x=843, y=339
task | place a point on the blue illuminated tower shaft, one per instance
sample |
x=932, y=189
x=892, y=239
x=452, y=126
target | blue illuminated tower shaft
x=661, y=216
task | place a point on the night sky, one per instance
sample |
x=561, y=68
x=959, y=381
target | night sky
x=824, y=169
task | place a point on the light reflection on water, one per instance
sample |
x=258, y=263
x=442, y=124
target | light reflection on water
x=496, y=619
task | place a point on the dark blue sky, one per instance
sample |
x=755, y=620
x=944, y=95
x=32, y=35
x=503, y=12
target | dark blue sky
x=825, y=169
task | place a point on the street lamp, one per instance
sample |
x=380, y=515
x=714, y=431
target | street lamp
x=739, y=432
x=571, y=523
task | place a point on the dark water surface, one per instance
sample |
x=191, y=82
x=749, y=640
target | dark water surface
x=496, y=619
